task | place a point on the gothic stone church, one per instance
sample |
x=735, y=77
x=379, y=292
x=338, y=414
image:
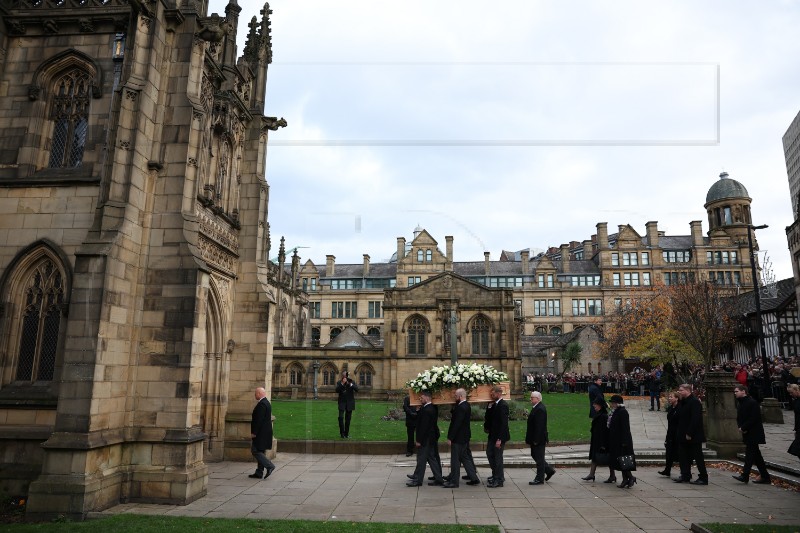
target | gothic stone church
x=138, y=307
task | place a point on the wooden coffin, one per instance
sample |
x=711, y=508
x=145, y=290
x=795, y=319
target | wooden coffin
x=479, y=394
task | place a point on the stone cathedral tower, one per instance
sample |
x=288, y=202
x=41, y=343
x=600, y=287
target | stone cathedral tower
x=138, y=306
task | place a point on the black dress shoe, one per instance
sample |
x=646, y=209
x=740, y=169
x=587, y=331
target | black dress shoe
x=495, y=484
x=763, y=481
x=448, y=485
x=410, y=476
x=611, y=480
x=270, y=470
x=409, y=454
x=664, y=472
x=257, y=475
x=741, y=478
x=474, y=482
x=549, y=475
x=465, y=478
x=431, y=478
x=413, y=484
x=699, y=481
x=433, y=483
x=681, y=480
x=536, y=482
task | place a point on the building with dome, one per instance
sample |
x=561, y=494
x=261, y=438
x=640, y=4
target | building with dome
x=517, y=311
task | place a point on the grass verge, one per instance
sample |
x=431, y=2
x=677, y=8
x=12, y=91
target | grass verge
x=750, y=528
x=129, y=523
x=568, y=420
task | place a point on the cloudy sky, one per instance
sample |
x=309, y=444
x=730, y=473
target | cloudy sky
x=522, y=124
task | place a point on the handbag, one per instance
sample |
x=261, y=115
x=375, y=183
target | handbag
x=794, y=448
x=627, y=462
x=602, y=458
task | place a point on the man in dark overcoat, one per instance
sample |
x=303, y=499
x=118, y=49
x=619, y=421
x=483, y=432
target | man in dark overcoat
x=691, y=437
x=748, y=418
x=536, y=437
x=261, y=434
x=346, y=389
x=458, y=436
x=495, y=424
x=411, y=424
x=426, y=440
x=595, y=393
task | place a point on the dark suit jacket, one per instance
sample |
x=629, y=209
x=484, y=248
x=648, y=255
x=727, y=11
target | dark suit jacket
x=427, y=431
x=796, y=407
x=673, y=413
x=347, y=398
x=261, y=425
x=411, y=413
x=748, y=418
x=594, y=393
x=459, y=431
x=496, y=421
x=690, y=421
x=536, y=433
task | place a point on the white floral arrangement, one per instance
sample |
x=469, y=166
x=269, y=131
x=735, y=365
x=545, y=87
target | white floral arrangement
x=465, y=376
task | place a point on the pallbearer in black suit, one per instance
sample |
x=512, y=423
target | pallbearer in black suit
x=346, y=388
x=495, y=424
x=427, y=437
x=261, y=434
x=458, y=436
x=536, y=436
x=748, y=418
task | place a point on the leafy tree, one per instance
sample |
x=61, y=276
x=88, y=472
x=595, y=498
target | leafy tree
x=571, y=357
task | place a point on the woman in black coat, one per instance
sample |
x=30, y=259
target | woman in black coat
x=620, y=440
x=670, y=441
x=599, y=441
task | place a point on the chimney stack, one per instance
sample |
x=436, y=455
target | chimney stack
x=401, y=248
x=587, y=249
x=330, y=263
x=486, y=263
x=602, y=235
x=652, y=234
x=366, y=265
x=697, y=232
x=565, y=258
x=525, y=257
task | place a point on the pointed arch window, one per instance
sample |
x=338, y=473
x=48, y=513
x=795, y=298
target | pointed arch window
x=328, y=375
x=295, y=375
x=480, y=336
x=364, y=375
x=72, y=92
x=40, y=322
x=416, y=337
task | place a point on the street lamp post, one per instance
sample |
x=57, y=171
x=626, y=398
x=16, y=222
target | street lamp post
x=315, y=365
x=767, y=392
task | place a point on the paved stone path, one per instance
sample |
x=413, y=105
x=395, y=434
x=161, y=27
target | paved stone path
x=372, y=488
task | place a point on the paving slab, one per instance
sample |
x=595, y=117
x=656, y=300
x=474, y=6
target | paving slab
x=372, y=489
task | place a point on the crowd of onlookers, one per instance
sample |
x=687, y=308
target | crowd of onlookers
x=640, y=382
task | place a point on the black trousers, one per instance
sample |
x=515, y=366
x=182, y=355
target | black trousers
x=425, y=455
x=670, y=456
x=261, y=458
x=344, y=422
x=410, y=439
x=688, y=452
x=542, y=468
x=461, y=454
x=752, y=455
x=495, y=457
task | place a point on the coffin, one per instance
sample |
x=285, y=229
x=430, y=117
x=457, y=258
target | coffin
x=477, y=395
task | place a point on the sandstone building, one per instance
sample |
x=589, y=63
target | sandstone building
x=138, y=307
x=516, y=312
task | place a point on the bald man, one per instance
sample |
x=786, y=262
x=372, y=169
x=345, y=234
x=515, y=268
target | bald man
x=261, y=434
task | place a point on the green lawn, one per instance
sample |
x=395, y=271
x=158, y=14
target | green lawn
x=750, y=528
x=568, y=420
x=128, y=523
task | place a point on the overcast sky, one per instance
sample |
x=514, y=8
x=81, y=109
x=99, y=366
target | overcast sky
x=520, y=124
